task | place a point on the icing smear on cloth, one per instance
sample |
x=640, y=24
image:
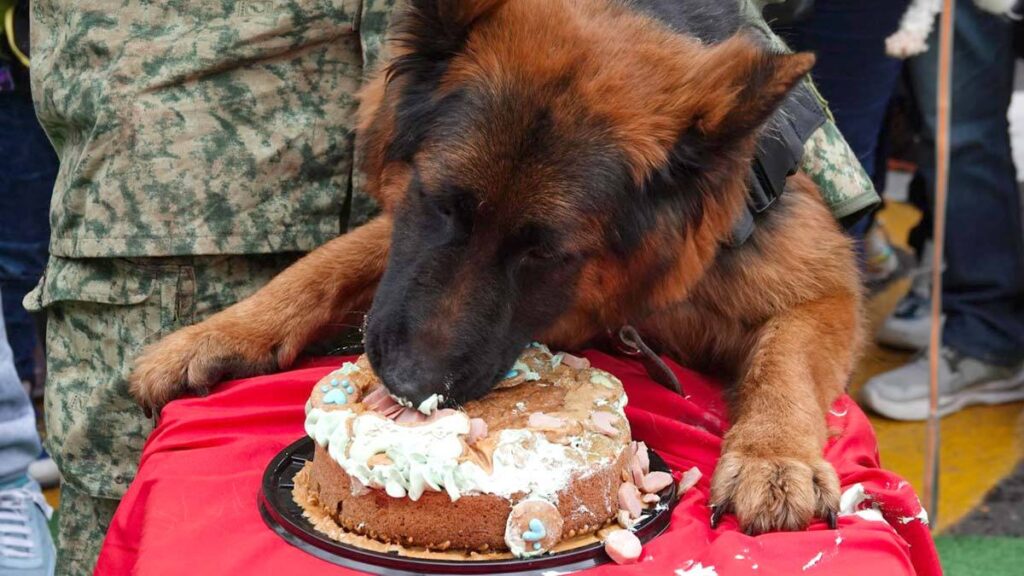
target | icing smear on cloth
x=921, y=517
x=850, y=504
x=813, y=561
x=697, y=569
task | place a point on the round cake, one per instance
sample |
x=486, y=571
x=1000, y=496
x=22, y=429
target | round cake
x=546, y=456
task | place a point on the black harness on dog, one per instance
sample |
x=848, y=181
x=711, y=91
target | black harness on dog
x=780, y=150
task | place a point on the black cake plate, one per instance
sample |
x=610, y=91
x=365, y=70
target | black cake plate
x=284, y=517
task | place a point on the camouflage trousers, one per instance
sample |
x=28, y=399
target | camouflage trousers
x=100, y=314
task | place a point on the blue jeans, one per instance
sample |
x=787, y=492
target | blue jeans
x=28, y=168
x=983, y=283
x=19, y=440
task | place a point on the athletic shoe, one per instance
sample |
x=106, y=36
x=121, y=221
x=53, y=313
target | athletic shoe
x=26, y=548
x=902, y=394
x=909, y=326
x=44, y=471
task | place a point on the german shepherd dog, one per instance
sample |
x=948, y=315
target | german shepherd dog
x=550, y=169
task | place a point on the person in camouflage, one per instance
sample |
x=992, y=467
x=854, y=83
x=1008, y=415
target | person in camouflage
x=203, y=147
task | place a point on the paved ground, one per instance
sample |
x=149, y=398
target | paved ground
x=1001, y=513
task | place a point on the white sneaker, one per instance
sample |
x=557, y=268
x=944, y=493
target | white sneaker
x=910, y=324
x=26, y=547
x=902, y=394
x=44, y=471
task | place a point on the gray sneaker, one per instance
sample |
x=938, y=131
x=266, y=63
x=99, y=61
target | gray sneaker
x=909, y=326
x=26, y=548
x=902, y=394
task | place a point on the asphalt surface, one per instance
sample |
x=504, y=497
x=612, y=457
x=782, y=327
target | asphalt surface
x=1001, y=513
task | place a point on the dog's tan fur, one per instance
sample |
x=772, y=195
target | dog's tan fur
x=779, y=317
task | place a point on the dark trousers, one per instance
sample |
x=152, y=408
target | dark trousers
x=28, y=168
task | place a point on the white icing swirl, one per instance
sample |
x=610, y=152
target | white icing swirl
x=426, y=456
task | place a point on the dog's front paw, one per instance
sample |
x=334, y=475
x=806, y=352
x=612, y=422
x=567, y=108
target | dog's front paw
x=192, y=360
x=773, y=493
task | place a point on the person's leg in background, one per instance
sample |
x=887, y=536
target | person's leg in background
x=100, y=314
x=983, y=281
x=28, y=168
x=857, y=78
x=25, y=544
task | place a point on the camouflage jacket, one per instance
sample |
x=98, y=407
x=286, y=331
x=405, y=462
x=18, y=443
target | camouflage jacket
x=828, y=158
x=189, y=128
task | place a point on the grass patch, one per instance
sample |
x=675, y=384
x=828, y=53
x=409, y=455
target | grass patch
x=981, y=555
x=53, y=524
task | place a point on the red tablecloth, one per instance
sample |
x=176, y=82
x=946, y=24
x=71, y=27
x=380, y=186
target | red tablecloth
x=192, y=508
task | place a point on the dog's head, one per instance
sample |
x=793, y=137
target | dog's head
x=553, y=169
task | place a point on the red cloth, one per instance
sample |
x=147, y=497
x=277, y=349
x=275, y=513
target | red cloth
x=192, y=508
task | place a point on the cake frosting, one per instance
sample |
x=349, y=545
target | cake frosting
x=543, y=457
x=430, y=455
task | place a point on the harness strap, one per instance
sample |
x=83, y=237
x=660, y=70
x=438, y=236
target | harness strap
x=780, y=149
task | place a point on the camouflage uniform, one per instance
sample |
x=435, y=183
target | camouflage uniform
x=203, y=146
x=828, y=159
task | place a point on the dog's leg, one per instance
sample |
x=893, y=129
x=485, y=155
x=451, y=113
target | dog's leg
x=270, y=328
x=772, y=474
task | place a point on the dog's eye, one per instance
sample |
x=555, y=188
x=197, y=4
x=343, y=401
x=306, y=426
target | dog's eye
x=441, y=206
x=544, y=256
x=540, y=253
x=444, y=209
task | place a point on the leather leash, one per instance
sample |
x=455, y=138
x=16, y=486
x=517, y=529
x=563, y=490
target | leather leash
x=627, y=341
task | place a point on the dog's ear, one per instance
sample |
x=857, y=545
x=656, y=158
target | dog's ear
x=738, y=84
x=397, y=105
x=430, y=32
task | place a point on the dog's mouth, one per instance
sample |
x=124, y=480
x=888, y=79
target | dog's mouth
x=429, y=380
x=440, y=400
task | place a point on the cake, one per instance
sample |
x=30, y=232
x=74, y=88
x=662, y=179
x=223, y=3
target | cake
x=545, y=457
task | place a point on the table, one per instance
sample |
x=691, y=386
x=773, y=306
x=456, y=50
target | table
x=193, y=506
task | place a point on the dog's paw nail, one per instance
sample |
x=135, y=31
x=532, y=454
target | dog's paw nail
x=717, y=511
x=832, y=519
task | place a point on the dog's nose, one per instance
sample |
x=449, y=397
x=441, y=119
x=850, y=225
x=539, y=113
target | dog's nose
x=404, y=388
x=410, y=376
